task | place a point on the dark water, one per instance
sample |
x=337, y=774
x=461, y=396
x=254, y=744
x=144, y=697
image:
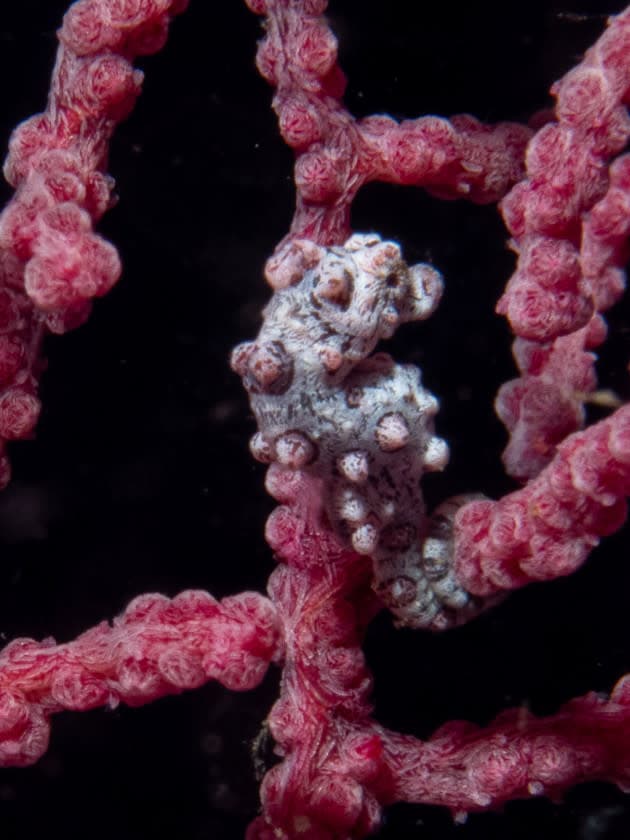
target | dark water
x=140, y=479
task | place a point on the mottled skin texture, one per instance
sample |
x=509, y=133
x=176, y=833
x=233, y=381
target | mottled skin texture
x=358, y=422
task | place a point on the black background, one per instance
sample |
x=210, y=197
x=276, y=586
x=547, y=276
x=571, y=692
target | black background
x=140, y=478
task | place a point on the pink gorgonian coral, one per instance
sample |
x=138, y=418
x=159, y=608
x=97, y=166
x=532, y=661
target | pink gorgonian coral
x=139, y=479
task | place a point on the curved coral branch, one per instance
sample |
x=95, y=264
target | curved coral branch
x=570, y=220
x=468, y=768
x=51, y=262
x=336, y=154
x=548, y=528
x=158, y=646
x=338, y=766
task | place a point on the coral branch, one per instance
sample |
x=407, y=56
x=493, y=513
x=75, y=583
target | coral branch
x=346, y=432
x=57, y=159
x=548, y=528
x=51, y=262
x=467, y=768
x=322, y=592
x=156, y=647
x=337, y=154
x=569, y=222
x=339, y=767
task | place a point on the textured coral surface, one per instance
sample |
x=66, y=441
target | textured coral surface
x=140, y=479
